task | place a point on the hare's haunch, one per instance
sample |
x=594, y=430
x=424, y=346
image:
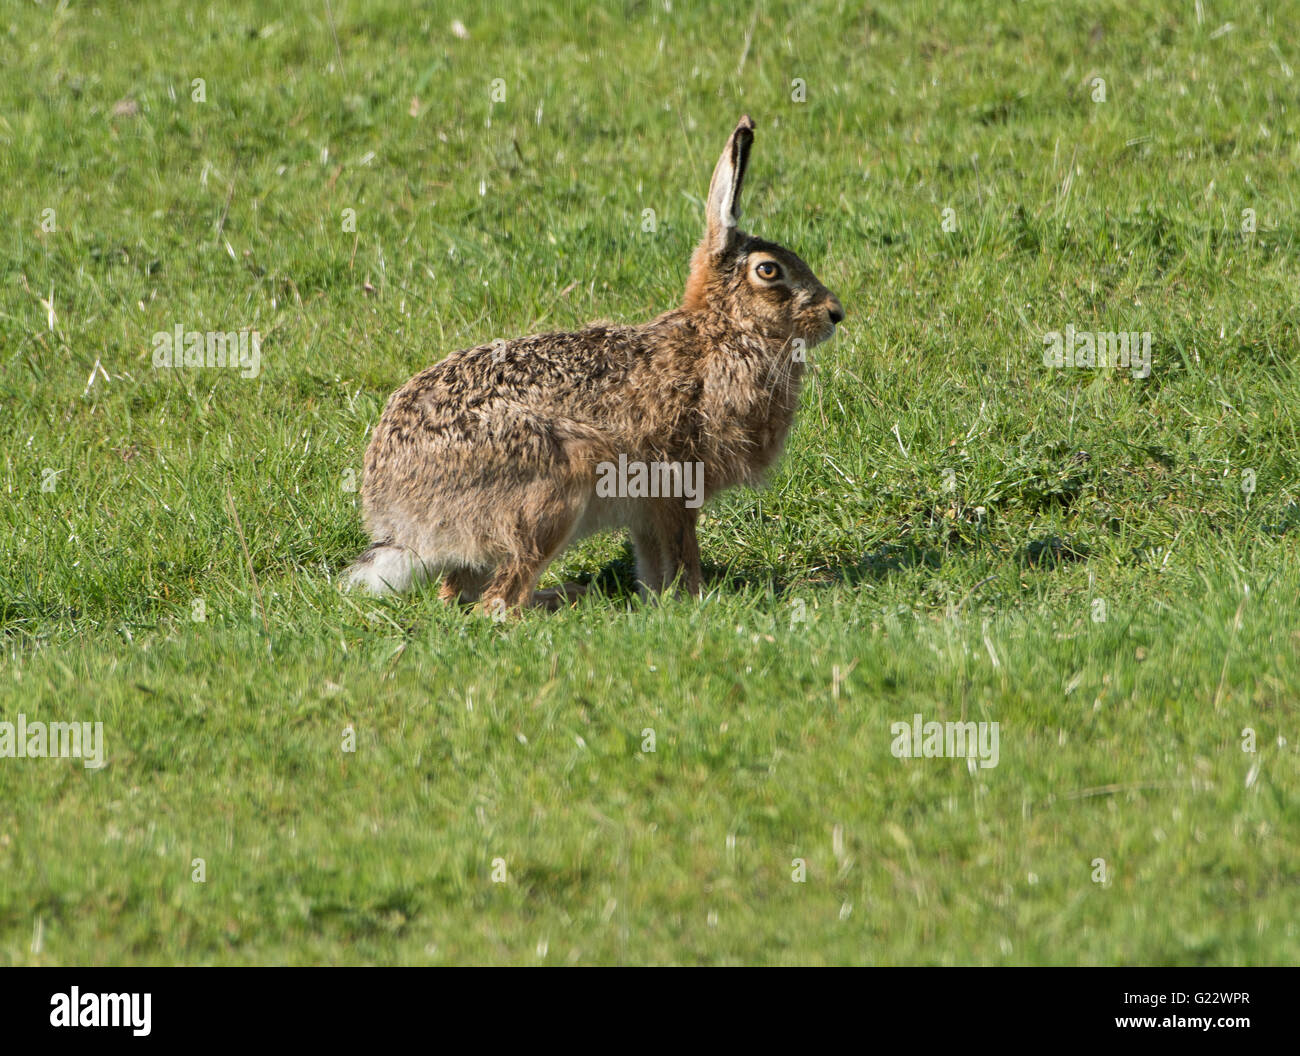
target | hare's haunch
x=485, y=466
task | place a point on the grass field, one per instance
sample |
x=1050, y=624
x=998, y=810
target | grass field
x=1108, y=566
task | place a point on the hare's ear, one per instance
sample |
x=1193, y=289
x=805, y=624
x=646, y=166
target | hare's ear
x=723, y=206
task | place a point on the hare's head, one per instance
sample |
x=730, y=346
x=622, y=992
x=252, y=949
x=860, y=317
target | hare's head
x=754, y=285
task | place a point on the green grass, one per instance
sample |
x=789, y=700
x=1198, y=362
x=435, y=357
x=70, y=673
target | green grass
x=937, y=539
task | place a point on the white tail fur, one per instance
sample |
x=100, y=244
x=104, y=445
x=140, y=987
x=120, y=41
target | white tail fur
x=385, y=569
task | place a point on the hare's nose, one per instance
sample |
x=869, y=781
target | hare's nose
x=835, y=309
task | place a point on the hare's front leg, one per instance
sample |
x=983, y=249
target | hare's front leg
x=649, y=559
x=684, y=552
x=667, y=551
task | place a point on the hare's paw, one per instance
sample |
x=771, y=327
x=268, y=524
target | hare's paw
x=554, y=598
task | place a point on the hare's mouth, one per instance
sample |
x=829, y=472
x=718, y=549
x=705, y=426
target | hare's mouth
x=823, y=334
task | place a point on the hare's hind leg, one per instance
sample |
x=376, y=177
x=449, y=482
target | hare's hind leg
x=540, y=533
x=463, y=585
x=512, y=586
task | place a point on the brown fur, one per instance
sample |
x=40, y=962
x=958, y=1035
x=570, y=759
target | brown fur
x=483, y=467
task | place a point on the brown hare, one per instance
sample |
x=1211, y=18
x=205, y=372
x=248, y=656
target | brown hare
x=485, y=466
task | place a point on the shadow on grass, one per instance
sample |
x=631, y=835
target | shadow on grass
x=616, y=580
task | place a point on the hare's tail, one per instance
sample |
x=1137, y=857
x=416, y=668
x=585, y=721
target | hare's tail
x=386, y=568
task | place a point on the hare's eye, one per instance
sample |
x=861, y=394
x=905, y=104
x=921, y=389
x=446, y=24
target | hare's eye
x=767, y=270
